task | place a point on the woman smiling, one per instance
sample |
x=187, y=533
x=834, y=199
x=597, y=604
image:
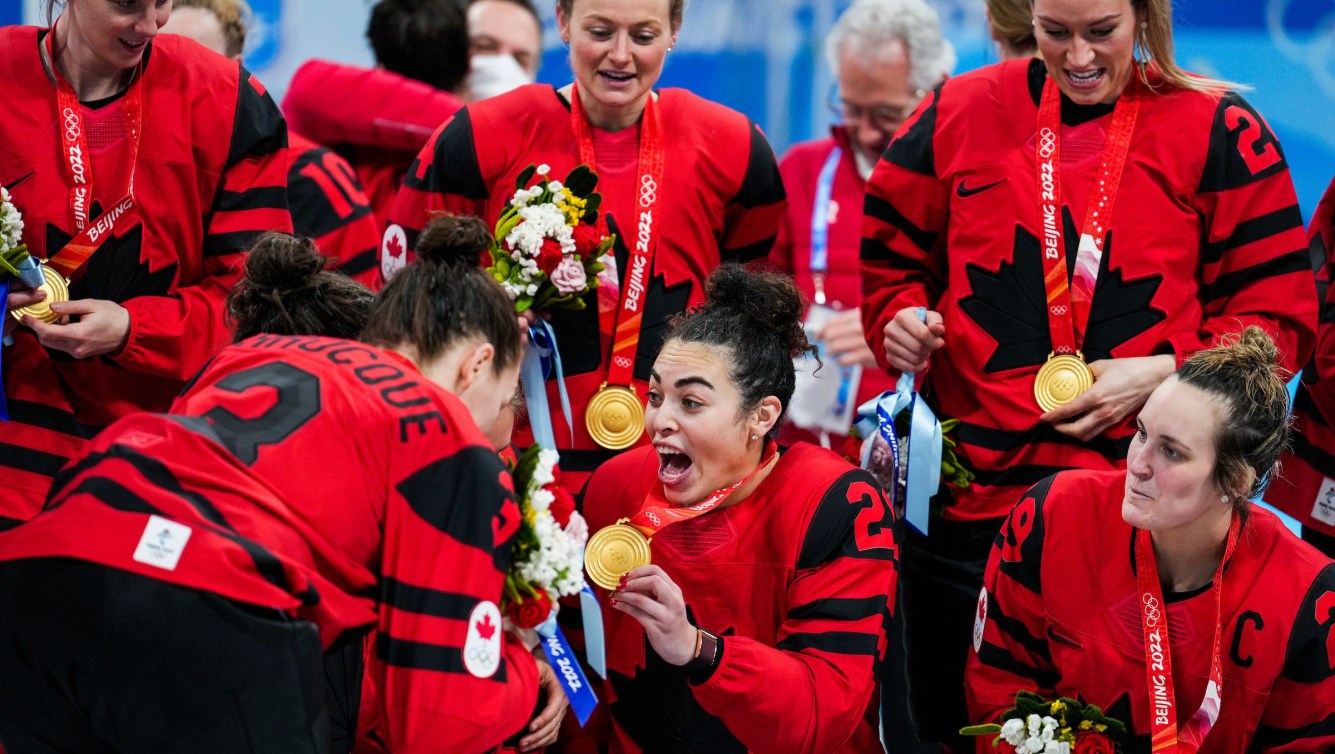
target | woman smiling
x=774, y=588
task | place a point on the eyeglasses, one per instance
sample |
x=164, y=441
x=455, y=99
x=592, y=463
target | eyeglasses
x=885, y=118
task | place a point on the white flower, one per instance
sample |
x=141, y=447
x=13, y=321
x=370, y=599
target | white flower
x=544, y=472
x=1012, y=731
x=541, y=500
x=1056, y=747
x=544, y=169
x=578, y=531
x=555, y=186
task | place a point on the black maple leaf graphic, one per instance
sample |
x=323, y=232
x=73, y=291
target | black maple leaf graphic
x=1011, y=304
x=115, y=272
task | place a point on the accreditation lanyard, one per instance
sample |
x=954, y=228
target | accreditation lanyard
x=635, y=282
x=820, y=223
x=1068, y=303
x=658, y=513
x=1167, y=737
x=78, y=160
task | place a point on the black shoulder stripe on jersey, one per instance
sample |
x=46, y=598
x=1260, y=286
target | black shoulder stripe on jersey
x=359, y=263
x=190, y=383
x=1023, y=474
x=1229, y=283
x=1305, y=405
x=1270, y=738
x=259, y=197
x=29, y=460
x=417, y=655
x=1253, y=230
x=834, y=642
x=749, y=253
x=990, y=438
x=914, y=149
x=1319, y=459
x=221, y=244
x=426, y=601
x=841, y=608
x=884, y=211
x=1308, y=657
x=1235, y=151
x=461, y=495
x=761, y=185
x=454, y=164
x=831, y=533
x=1016, y=630
x=116, y=495
x=49, y=418
x=258, y=129
x=996, y=657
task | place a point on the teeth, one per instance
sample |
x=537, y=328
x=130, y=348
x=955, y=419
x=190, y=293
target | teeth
x=1084, y=76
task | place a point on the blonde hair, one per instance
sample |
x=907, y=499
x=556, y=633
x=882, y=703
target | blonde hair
x=232, y=15
x=1155, y=39
x=1013, y=24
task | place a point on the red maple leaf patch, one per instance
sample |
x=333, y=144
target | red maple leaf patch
x=485, y=628
x=394, y=246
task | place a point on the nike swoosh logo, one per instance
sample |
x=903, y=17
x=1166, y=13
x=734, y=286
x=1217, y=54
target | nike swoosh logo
x=964, y=191
x=18, y=181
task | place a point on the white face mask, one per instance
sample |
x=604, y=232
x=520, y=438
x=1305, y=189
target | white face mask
x=490, y=75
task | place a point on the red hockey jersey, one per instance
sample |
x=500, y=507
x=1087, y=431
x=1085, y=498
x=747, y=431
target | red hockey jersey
x=721, y=193
x=1205, y=239
x=329, y=205
x=799, y=581
x=801, y=168
x=210, y=176
x=394, y=117
x=1306, y=487
x=331, y=480
x=1061, y=616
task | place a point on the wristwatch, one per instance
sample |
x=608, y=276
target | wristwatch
x=706, y=652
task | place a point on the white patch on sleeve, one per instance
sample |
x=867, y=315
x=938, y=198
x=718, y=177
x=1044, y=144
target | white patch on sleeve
x=1323, y=509
x=482, y=647
x=979, y=620
x=162, y=543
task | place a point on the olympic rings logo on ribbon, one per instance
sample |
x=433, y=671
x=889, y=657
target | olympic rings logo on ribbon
x=648, y=191
x=1059, y=310
x=72, y=129
x=1151, y=609
x=622, y=362
x=1047, y=142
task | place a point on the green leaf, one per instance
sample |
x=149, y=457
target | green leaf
x=522, y=304
x=582, y=181
x=980, y=730
x=525, y=176
x=592, y=203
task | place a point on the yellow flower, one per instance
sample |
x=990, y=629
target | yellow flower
x=1100, y=728
x=1086, y=725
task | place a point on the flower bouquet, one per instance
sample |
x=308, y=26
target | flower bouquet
x=547, y=561
x=1065, y=726
x=13, y=252
x=548, y=242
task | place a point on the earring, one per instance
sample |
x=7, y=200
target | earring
x=755, y=437
x=1144, y=25
x=1223, y=498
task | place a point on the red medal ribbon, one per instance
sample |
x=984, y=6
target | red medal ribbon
x=78, y=159
x=658, y=513
x=635, y=282
x=1167, y=737
x=1068, y=304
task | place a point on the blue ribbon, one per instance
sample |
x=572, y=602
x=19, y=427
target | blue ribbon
x=924, y=452
x=820, y=213
x=538, y=359
x=594, y=651
x=573, y=680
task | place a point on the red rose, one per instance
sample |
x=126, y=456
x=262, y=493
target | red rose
x=1004, y=747
x=1092, y=742
x=563, y=505
x=531, y=612
x=587, y=238
x=549, y=256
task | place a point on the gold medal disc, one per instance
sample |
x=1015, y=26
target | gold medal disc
x=1062, y=378
x=615, y=417
x=57, y=289
x=613, y=551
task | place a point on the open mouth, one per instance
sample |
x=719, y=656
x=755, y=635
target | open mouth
x=615, y=77
x=673, y=467
x=133, y=46
x=1085, y=79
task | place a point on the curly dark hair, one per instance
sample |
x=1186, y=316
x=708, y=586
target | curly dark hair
x=425, y=40
x=286, y=290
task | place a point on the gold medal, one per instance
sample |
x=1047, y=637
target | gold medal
x=613, y=551
x=1062, y=378
x=614, y=417
x=57, y=289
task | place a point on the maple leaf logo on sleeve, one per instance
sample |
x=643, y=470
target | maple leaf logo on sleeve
x=1010, y=304
x=485, y=628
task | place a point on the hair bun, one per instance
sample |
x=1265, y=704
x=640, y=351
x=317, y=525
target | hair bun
x=767, y=303
x=280, y=262
x=1255, y=350
x=452, y=240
